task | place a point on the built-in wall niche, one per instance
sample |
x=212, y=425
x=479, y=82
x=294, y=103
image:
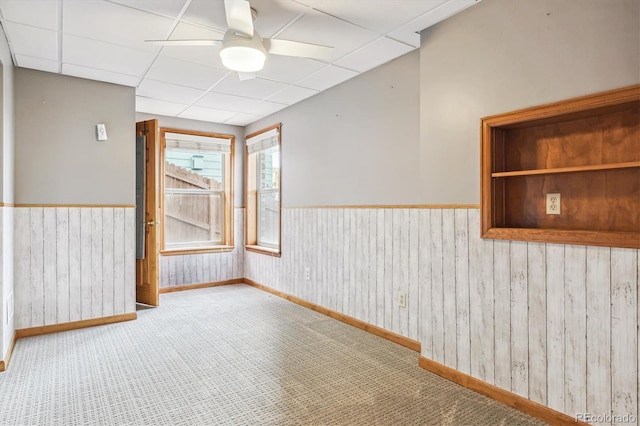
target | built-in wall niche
x=567, y=172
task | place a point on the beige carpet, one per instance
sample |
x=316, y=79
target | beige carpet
x=231, y=355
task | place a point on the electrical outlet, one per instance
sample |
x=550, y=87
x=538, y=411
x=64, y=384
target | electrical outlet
x=553, y=203
x=402, y=299
x=307, y=274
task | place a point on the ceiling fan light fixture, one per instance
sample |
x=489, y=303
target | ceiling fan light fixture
x=242, y=53
x=242, y=58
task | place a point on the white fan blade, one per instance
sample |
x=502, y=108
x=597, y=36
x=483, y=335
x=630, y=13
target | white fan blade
x=194, y=42
x=297, y=48
x=242, y=76
x=239, y=17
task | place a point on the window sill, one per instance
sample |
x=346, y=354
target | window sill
x=263, y=250
x=199, y=250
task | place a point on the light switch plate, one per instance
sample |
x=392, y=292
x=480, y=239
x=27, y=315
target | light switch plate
x=101, y=132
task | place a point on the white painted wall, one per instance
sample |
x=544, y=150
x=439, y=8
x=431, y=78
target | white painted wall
x=502, y=55
x=7, y=196
x=58, y=159
x=357, y=143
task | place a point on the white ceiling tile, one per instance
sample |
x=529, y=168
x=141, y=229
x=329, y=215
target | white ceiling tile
x=256, y=88
x=408, y=33
x=238, y=104
x=319, y=28
x=114, y=23
x=372, y=55
x=100, y=75
x=168, y=92
x=38, y=13
x=97, y=54
x=190, y=74
x=272, y=15
x=37, y=63
x=264, y=108
x=380, y=16
x=206, y=114
x=243, y=119
x=154, y=106
x=223, y=101
x=32, y=41
x=168, y=8
x=207, y=55
x=208, y=13
x=288, y=69
x=327, y=77
x=292, y=95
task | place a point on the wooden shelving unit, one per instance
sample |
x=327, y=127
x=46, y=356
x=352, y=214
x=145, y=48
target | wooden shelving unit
x=586, y=149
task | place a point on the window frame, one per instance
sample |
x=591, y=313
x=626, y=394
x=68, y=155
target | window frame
x=227, y=243
x=251, y=196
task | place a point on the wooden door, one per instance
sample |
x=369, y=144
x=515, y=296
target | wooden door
x=147, y=223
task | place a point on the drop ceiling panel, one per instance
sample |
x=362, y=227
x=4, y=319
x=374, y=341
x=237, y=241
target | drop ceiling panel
x=184, y=73
x=292, y=95
x=408, y=32
x=168, y=92
x=105, y=56
x=375, y=15
x=222, y=101
x=206, y=114
x=38, y=13
x=256, y=88
x=374, y=54
x=207, y=55
x=104, y=40
x=243, y=119
x=114, y=23
x=319, y=28
x=288, y=69
x=207, y=13
x=327, y=77
x=168, y=8
x=32, y=41
x=154, y=106
x=36, y=63
x=100, y=75
x=264, y=108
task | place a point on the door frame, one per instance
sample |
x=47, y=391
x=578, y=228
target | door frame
x=147, y=280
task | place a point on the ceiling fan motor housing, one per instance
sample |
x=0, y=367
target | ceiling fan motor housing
x=243, y=53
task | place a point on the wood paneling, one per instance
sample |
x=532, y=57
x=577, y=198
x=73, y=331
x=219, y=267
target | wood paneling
x=553, y=323
x=198, y=268
x=72, y=264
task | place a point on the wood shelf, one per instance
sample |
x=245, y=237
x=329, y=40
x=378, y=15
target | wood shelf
x=586, y=149
x=627, y=165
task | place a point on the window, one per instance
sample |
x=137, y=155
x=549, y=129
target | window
x=263, y=191
x=196, y=186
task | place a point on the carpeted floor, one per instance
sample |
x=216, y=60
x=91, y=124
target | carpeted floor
x=231, y=355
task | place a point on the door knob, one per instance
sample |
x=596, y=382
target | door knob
x=152, y=222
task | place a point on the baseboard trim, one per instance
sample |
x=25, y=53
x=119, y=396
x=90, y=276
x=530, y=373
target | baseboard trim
x=362, y=325
x=201, y=285
x=4, y=363
x=73, y=325
x=518, y=402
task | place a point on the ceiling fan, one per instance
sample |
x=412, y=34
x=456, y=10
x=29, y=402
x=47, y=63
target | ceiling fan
x=243, y=49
